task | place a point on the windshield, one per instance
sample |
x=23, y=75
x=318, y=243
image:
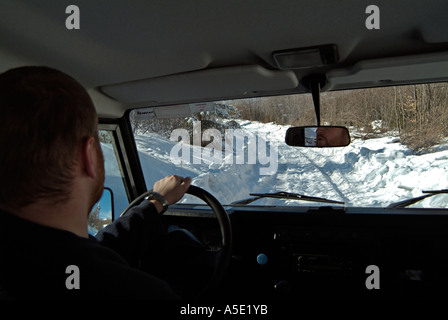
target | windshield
x=236, y=148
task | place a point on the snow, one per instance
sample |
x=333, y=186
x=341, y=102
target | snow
x=373, y=172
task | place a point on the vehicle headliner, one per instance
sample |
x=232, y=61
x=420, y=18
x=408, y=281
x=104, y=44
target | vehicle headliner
x=148, y=53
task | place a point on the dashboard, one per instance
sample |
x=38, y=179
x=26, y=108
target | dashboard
x=327, y=252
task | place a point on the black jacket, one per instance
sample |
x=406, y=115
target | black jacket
x=35, y=260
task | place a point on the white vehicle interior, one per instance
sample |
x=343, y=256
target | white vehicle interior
x=170, y=52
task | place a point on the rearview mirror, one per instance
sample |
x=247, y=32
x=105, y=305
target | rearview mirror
x=321, y=136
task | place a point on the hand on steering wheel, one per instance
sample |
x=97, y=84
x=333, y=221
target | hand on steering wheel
x=222, y=257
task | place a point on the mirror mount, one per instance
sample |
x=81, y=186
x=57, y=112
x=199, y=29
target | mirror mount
x=314, y=83
x=318, y=136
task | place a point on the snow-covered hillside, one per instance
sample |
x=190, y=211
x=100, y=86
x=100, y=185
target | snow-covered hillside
x=374, y=172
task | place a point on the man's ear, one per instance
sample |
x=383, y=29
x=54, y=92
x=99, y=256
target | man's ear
x=89, y=157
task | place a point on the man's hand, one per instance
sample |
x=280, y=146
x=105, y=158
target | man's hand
x=171, y=188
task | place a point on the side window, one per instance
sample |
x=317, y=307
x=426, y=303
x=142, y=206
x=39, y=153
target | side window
x=114, y=199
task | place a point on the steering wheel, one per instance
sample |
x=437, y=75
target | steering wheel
x=220, y=259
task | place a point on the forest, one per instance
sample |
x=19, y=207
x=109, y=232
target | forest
x=417, y=113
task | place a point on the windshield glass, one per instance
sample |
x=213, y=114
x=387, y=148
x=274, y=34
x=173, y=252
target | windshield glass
x=398, y=148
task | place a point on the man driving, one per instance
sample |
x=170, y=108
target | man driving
x=51, y=175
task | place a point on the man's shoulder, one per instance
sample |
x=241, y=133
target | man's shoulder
x=38, y=262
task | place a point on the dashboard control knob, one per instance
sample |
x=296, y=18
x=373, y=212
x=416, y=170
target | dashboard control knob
x=262, y=259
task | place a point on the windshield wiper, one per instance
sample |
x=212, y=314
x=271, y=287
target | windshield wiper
x=408, y=202
x=284, y=195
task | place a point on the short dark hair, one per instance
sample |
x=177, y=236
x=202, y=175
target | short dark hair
x=44, y=115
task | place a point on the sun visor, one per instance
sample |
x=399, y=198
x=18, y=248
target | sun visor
x=416, y=68
x=202, y=85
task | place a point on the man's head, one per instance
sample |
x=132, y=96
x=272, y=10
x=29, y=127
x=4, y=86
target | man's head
x=332, y=137
x=46, y=118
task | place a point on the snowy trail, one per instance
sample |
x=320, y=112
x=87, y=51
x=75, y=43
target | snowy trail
x=373, y=172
